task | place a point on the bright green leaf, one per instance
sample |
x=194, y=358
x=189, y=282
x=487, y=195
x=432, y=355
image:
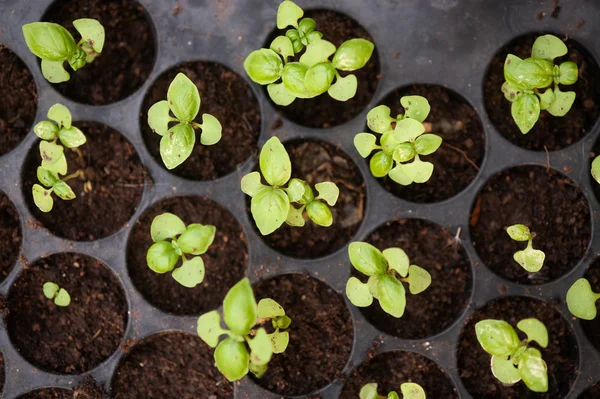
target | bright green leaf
x=46, y=177
x=510, y=68
x=411, y=390
x=416, y=107
x=497, y=337
x=427, y=144
x=328, y=191
x=268, y=308
x=209, y=328
x=418, y=278
x=381, y=164
x=535, y=331
x=318, y=78
x=404, y=152
x=42, y=198
x=184, y=99
x=581, y=300
x=261, y=348
x=91, y=31
x=409, y=129
x=379, y=119
x=307, y=25
x=63, y=191
x=281, y=322
x=279, y=341
x=251, y=183
x=177, y=145
x=264, y=66
x=366, y=258
x=275, y=163
x=392, y=296
x=50, y=152
x=317, y=52
x=533, y=370
x=546, y=98
x=50, y=289
x=530, y=259
x=568, y=73
x=58, y=167
x=353, y=54
x=270, y=208
x=258, y=370
x=61, y=115
x=46, y=130
x=344, y=88
x=563, y=101
x=48, y=41
x=397, y=260
x=390, y=140
x=166, y=226
x=159, y=117
x=358, y=293
x=211, y=130
x=548, y=47
x=288, y=14
x=319, y=213
x=71, y=137
x=372, y=284
x=190, y=273
x=295, y=190
x=595, y=170
x=282, y=45
x=526, y=111
x=161, y=257
x=196, y=238
x=369, y=391
x=535, y=73
x=280, y=95
x=418, y=170
x=505, y=371
x=62, y=298
x=239, y=308
x=232, y=359
x=519, y=232
x=293, y=76
x=399, y=175
x=365, y=143
x=295, y=217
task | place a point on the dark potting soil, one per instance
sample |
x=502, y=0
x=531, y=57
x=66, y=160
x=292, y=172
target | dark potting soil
x=224, y=262
x=591, y=328
x=225, y=95
x=552, y=133
x=10, y=235
x=48, y=393
x=435, y=249
x=170, y=365
x=316, y=161
x=546, y=201
x=86, y=390
x=116, y=177
x=19, y=100
x=457, y=161
x=72, y=339
x=323, y=111
x=592, y=392
x=321, y=334
x=126, y=59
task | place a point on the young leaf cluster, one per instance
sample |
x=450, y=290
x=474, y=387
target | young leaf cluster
x=273, y=204
x=532, y=84
x=314, y=73
x=530, y=259
x=581, y=300
x=55, y=45
x=410, y=390
x=399, y=144
x=513, y=360
x=177, y=142
x=248, y=346
x=387, y=271
x=60, y=296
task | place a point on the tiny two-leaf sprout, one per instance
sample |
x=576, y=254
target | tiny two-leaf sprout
x=532, y=84
x=248, y=346
x=514, y=360
x=55, y=45
x=530, y=259
x=54, y=162
x=273, y=204
x=387, y=271
x=581, y=300
x=410, y=390
x=60, y=296
x=173, y=240
x=177, y=142
x=312, y=73
x=402, y=141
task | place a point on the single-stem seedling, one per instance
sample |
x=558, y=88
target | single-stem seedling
x=60, y=296
x=530, y=259
x=410, y=390
x=581, y=300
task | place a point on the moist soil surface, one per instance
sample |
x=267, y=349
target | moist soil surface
x=591, y=328
x=321, y=334
x=433, y=248
x=457, y=161
x=226, y=96
x=170, y=365
x=111, y=166
x=10, y=235
x=561, y=355
x=546, y=201
x=48, y=393
x=127, y=57
x=19, y=100
x=550, y=132
x=224, y=262
x=72, y=339
x=87, y=390
x=315, y=162
x=323, y=111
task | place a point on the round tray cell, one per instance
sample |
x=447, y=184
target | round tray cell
x=549, y=133
x=321, y=335
x=323, y=111
x=10, y=235
x=19, y=100
x=391, y=369
x=48, y=393
x=72, y=339
x=457, y=161
x=108, y=194
x=546, y=201
x=225, y=95
x=561, y=355
x=225, y=261
x=170, y=365
x=317, y=161
x=128, y=55
x=591, y=328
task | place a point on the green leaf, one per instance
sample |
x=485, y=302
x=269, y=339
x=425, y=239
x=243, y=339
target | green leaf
x=365, y=143
x=54, y=71
x=353, y=54
x=548, y=47
x=42, y=198
x=568, y=73
x=62, y=298
x=381, y=164
x=512, y=91
x=190, y=273
x=46, y=177
x=184, y=99
x=279, y=341
x=282, y=45
x=505, y=371
x=268, y=308
x=161, y=257
x=261, y=348
x=295, y=217
x=392, y=296
x=177, y=145
x=264, y=66
x=497, y=337
x=526, y=111
x=546, y=98
x=318, y=52
x=71, y=137
x=519, y=232
x=404, y=152
x=280, y=95
x=390, y=141
x=307, y=25
x=344, y=88
x=232, y=359
x=416, y=107
x=275, y=163
x=530, y=259
x=48, y=41
x=159, y=117
x=209, y=328
x=166, y=226
x=535, y=331
x=295, y=189
x=399, y=175
x=393, y=395
x=328, y=192
x=258, y=371
x=50, y=152
x=211, y=130
x=288, y=14
x=281, y=322
x=397, y=260
x=369, y=391
x=379, y=119
x=411, y=390
x=535, y=73
x=533, y=370
x=63, y=191
x=595, y=170
x=196, y=239
x=308, y=195
x=563, y=101
x=270, y=208
x=50, y=289
x=46, y=130
x=366, y=258
x=319, y=213
x=372, y=284
x=418, y=278
x=239, y=308
x=510, y=69
x=61, y=115
x=581, y=300
x=318, y=78
x=358, y=293
x=58, y=167
x=293, y=77
x=91, y=31
x=409, y=129
x=427, y=144
x=251, y=184
x=418, y=170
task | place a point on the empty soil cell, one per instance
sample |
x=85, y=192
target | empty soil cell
x=10, y=235
x=561, y=355
x=551, y=133
x=433, y=248
x=72, y=339
x=457, y=161
x=226, y=96
x=323, y=111
x=316, y=161
x=321, y=335
x=591, y=328
x=107, y=195
x=128, y=55
x=225, y=261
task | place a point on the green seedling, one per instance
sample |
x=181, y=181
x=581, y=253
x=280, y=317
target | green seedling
x=177, y=142
x=312, y=73
x=387, y=271
x=514, y=360
x=54, y=162
x=532, y=84
x=410, y=390
x=402, y=141
x=530, y=259
x=581, y=300
x=273, y=204
x=173, y=240
x=55, y=45
x=248, y=346
x=596, y=169
x=60, y=296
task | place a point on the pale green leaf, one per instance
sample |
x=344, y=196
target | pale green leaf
x=379, y=119
x=63, y=191
x=288, y=14
x=365, y=143
x=211, y=130
x=418, y=278
x=209, y=328
x=184, y=99
x=61, y=115
x=411, y=390
x=295, y=217
x=391, y=140
x=404, y=152
x=282, y=45
x=279, y=341
x=427, y=144
x=91, y=31
x=318, y=78
x=497, y=337
x=595, y=170
x=416, y=107
x=317, y=52
x=177, y=145
x=46, y=130
x=548, y=47
x=399, y=176
x=381, y=164
x=159, y=117
x=358, y=293
x=166, y=226
x=504, y=370
x=344, y=88
x=319, y=213
x=546, y=98
x=526, y=111
x=295, y=190
x=535, y=73
x=161, y=257
x=196, y=238
x=293, y=76
x=264, y=66
x=50, y=289
x=280, y=95
x=328, y=191
x=530, y=259
x=251, y=183
x=268, y=308
x=232, y=359
x=519, y=232
x=58, y=167
x=353, y=54
x=563, y=101
x=581, y=300
x=568, y=73
x=418, y=171
x=409, y=129
x=46, y=177
x=535, y=331
x=512, y=91
x=369, y=391
x=533, y=370
x=397, y=260
x=392, y=296
x=275, y=163
x=48, y=41
x=510, y=68
x=239, y=308
x=71, y=137
x=372, y=283
x=62, y=298
x=42, y=198
x=50, y=152
x=270, y=208
x=190, y=273
x=261, y=348
x=366, y=258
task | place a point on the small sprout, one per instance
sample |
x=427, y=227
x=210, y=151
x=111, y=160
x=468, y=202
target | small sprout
x=513, y=360
x=273, y=204
x=247, y=348
x=530, y=259
x=410, y=390
x=581, y=300
x=177, y=143
x=55, y=45
x=386, y=271
x=163, y=255
x=60, y=295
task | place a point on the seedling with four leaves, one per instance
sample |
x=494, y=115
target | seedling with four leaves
x=530, y=259
x=60, y=296
x=410, y=390
x=581, y=300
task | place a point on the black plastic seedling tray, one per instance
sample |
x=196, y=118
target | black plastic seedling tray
x=443, y=42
